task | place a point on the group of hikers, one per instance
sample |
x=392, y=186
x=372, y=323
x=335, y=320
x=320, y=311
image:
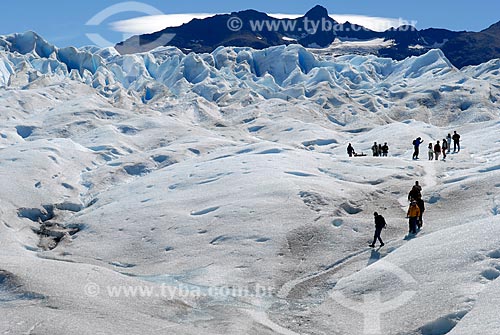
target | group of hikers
x=439, y=148
x=414, y=214
x=417, y=207
x=436, y=150
x=378, y=150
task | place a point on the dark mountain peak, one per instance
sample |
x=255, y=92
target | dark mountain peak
x=317, y=12
x=318, y=36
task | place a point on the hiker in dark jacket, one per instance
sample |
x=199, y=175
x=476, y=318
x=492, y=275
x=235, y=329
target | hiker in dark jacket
x=375, y=149
x=421, y=206
x=350, y=150
x=385, y=149
x=445, y=148
x=415, y=192
x=379, y=225
x=418, y=187
x=437, y=150
x=416, y=145
x=456, y=142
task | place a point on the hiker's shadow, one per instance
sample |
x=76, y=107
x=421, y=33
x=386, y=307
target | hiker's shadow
x=410, y=236
x=374, y=257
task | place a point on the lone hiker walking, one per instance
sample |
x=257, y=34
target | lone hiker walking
x=379, y=225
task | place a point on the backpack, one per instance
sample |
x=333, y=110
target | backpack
x=414, y=142
x=380, y=221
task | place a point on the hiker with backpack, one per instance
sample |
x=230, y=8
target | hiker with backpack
x=431, y=152
x=416, y=145
x=379, y=225
x=448, y=141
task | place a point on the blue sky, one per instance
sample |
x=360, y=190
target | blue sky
x=63, y=23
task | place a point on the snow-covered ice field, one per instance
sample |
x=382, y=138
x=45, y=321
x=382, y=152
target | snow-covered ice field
x=164, y=193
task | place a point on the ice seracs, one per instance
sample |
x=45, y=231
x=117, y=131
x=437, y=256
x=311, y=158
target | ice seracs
x=283, y=72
